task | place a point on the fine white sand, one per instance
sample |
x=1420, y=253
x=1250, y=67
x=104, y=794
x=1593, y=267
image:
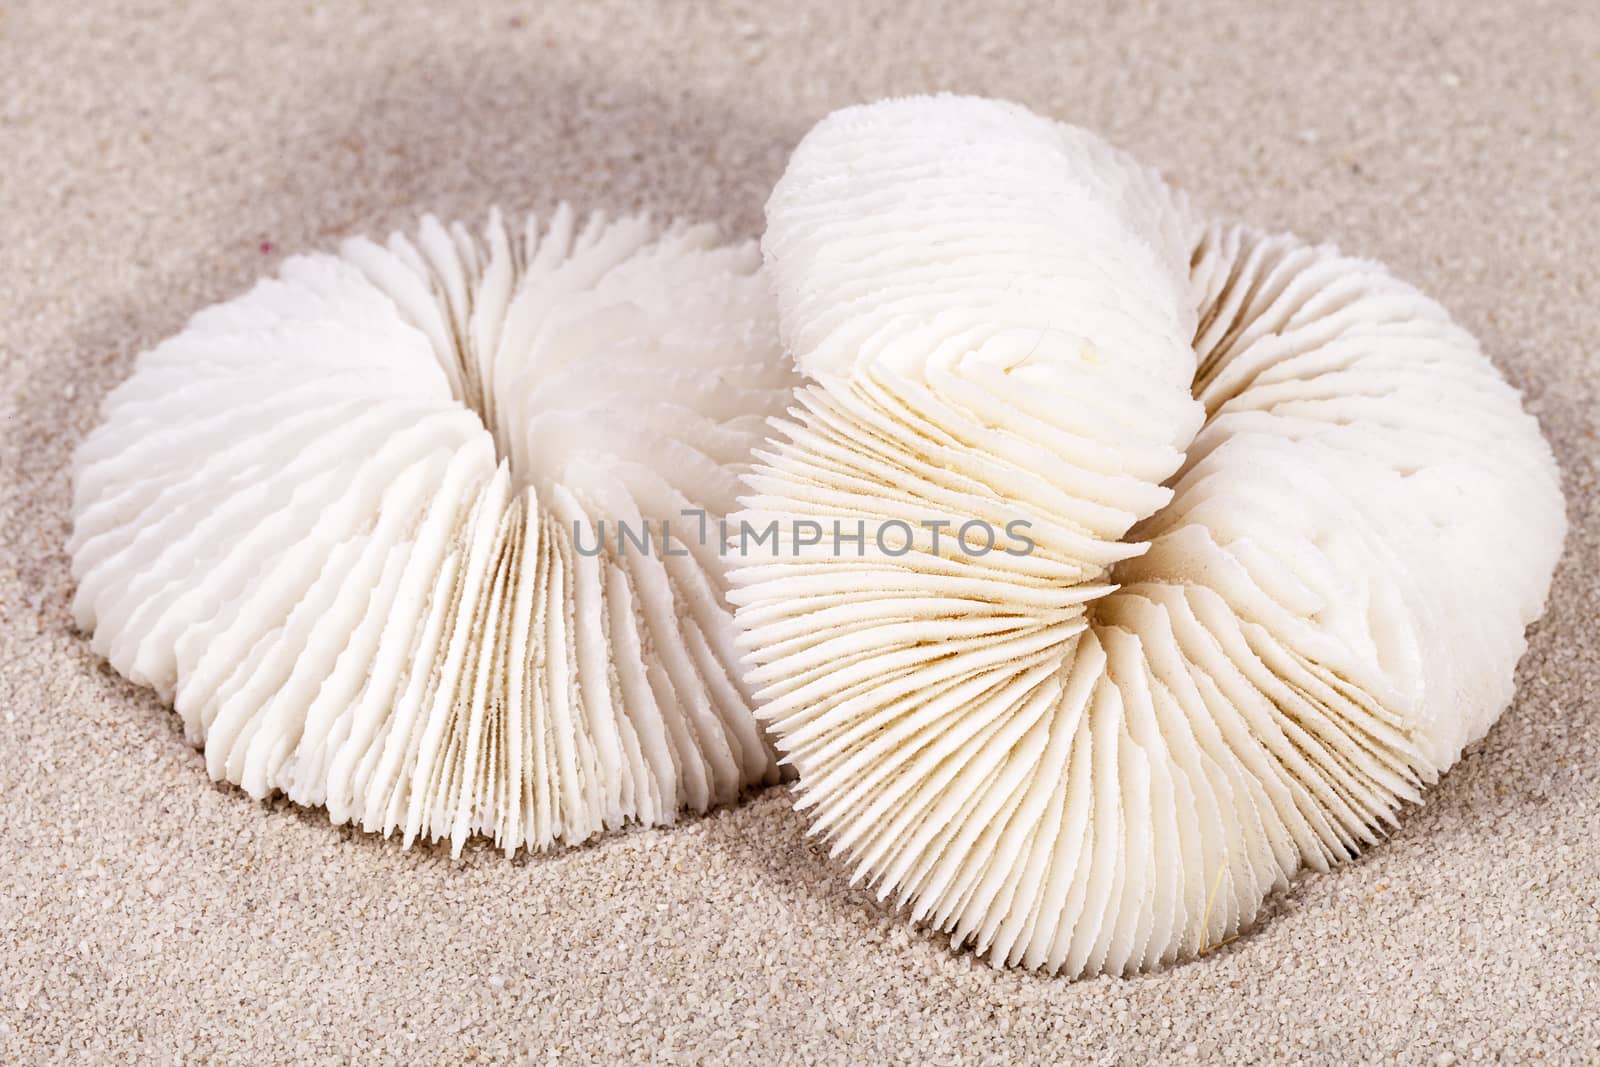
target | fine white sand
x=157, y=157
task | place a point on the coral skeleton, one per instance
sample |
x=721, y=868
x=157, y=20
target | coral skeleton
x=361, y=526
x=1281, y=528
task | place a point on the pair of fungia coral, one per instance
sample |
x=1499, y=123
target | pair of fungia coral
x=1285, y=527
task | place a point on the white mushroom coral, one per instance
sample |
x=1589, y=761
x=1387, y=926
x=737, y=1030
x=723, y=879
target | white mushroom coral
x=348, y=523
x=1287, y=525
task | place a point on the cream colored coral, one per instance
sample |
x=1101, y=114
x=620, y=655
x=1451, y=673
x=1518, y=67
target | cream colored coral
x=1287, y=526
x=347, y=524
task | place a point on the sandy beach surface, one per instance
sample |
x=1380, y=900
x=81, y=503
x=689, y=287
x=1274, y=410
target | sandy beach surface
x=157, y=157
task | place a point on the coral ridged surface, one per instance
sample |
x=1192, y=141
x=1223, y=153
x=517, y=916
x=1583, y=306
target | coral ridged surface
x=1279, y=528
x=360, y=526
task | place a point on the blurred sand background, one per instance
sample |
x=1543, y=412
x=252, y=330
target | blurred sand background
x=156, y=157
